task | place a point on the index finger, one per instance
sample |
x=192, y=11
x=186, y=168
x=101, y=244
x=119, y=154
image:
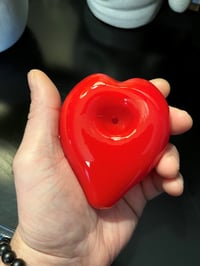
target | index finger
x=162, y=85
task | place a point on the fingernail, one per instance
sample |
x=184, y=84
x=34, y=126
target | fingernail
x=31, y=78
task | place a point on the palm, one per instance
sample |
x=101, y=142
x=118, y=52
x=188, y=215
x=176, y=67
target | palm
x=62, y=198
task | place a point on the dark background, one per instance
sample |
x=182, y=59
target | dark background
x=63, y=39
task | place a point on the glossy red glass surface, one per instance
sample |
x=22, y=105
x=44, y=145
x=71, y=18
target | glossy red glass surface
x=113, y=133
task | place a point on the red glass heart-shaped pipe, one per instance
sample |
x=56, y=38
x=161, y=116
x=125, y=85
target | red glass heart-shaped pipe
x=113, y=133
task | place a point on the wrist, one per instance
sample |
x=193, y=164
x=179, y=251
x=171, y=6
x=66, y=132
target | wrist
x=33, y=257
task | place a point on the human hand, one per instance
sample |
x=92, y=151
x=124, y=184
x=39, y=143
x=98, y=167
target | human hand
x=56, y=224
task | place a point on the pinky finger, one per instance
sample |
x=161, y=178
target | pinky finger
x=154, y=185
x=173, y=186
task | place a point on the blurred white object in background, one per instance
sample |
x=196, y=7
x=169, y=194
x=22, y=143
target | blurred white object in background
x=13, y=19
x=125, y=13
x=179, y=5
x=131, y=13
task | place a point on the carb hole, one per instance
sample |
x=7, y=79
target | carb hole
x=115, y=120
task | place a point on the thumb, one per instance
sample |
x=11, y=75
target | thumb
x=42, y=125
